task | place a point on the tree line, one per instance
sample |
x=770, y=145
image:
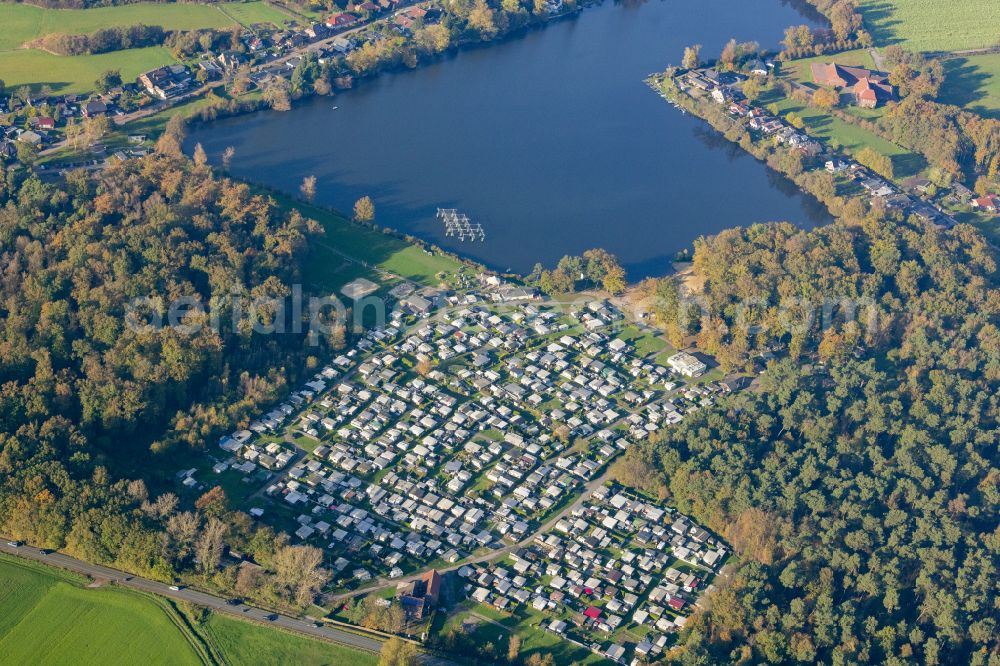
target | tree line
x=104, y=40
x=595, y=269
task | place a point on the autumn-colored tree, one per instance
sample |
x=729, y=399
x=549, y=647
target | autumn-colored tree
x=210, y=545
x=397, y=652
x=692, y=55
x=277, y=94
x=200, y=157
x=213, y=503
x=364, y=209
x=727, y=59
x=308, y=188
x=753, y=88
x=483, y=20
x=513, y=648
x=825, y=99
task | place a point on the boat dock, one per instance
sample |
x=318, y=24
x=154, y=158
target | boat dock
x=459, y=224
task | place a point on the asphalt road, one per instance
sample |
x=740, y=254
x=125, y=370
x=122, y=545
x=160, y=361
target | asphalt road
x=194, y=596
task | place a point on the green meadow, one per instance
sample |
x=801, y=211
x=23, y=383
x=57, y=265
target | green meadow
x=20, y=24
x=243, y=643
x=800, y=70
x=328, y=268
x=973, y=82
x=933, y=25
x=76, y=74
x=50, y=617
x=23, y=23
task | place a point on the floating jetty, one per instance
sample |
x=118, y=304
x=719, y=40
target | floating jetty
x=459, y=224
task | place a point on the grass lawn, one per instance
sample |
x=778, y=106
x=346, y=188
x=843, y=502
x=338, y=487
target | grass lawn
x=373, y=247
x=799, y=70
x=645, y=342
x=973, y=83
x=22, y=23
x=75, y=74
x=242, y=643
x=849, y=136
x=932, y=25
x=523, y=622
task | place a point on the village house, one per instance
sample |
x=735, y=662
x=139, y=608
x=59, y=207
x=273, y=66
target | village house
x=94, y=107
x=166, y=82
x=686, y=364
x=989, y=203
x=340, y=20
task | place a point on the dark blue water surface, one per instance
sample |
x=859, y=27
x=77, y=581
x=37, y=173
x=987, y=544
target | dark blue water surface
x=550, y=139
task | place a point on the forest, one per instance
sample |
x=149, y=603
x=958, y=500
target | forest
x=93, y=404
x=858, y=485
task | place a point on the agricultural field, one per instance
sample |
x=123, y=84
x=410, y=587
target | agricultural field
x=933, y=25
x=251, y=13
x=23, y=23
x=973, y=83
x=242, y=643
x=49, y=616
x=76, y=74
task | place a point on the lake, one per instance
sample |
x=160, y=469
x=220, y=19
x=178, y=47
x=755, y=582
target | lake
x=550, y=139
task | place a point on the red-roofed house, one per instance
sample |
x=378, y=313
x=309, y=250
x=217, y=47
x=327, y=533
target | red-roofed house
x=989, y=203
x=340, y=20
x=869, y=88
x=593, y=612
x=45, y=122
x=432, y=581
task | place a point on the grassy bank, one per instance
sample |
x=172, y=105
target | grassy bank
x=377, y=250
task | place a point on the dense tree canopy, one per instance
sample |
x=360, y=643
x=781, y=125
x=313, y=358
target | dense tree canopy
x=859, y=488
x=84, y=394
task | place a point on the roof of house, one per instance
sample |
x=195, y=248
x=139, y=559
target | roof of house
x=842, y=76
